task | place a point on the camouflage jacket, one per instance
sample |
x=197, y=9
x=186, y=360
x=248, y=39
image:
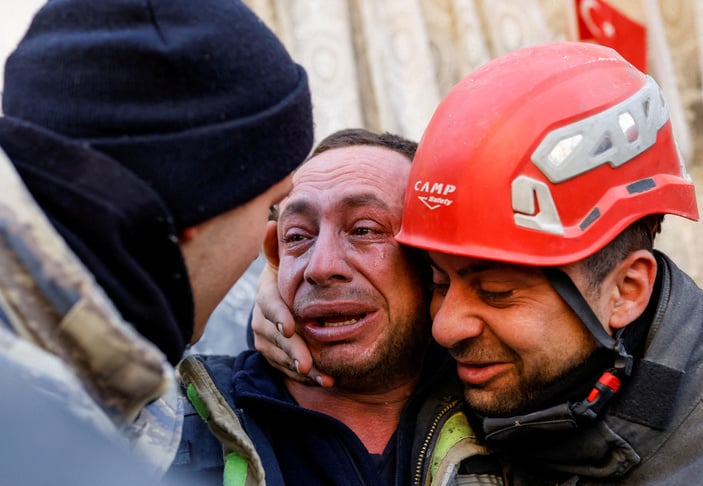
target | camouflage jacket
x=59, y=331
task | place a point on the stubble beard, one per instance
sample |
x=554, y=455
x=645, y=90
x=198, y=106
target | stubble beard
x=393, y=360
x=520, y=389
x=501, y=402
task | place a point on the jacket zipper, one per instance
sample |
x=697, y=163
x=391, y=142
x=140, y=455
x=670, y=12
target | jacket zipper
x=428, y=439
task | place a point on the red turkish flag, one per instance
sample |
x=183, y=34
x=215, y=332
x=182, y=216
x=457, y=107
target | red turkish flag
x=599, y=22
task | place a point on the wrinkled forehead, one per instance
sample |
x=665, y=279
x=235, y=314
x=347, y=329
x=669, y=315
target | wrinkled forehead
x=345, y=173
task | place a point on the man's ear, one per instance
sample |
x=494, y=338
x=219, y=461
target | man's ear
x=634, y=282
x=270, y=246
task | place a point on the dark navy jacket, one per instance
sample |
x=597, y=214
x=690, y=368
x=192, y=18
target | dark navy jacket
x=303, y=446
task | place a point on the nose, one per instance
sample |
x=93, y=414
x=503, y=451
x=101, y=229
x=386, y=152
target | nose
x=455, y=319
x=328, y=263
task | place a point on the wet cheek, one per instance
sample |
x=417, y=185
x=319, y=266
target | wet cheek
x=410, y=296
x=290, y=276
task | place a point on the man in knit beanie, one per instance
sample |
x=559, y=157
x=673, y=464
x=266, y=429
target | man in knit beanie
x=142, y=145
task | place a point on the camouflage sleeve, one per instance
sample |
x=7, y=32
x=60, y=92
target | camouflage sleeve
x=53, y=301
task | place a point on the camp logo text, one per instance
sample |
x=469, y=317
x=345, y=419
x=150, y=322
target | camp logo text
x=434, y=194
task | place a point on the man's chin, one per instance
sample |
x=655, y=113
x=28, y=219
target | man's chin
x=490, y=403
x=367, y=375
x=355, y=379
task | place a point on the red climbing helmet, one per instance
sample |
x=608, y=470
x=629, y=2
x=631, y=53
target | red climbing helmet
x=542, y=157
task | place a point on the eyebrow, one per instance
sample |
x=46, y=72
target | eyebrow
x=304, y=206
x=296, y=207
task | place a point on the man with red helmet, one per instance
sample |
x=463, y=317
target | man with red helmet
x=537, y=189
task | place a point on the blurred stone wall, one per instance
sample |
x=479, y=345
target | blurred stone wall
x=386, y=64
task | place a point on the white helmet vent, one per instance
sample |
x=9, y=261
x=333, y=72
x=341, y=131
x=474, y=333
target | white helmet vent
x=613, y=136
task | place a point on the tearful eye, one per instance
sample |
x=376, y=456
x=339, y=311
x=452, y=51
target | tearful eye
x=295, y=235
x=362, y=231
x=367, y=228
x=293, y=238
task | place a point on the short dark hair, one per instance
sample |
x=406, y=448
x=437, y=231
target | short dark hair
x=360, y=136
x=638, y=236
x=350, y=137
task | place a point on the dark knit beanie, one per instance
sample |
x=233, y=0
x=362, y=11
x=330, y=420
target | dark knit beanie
x=197, y=97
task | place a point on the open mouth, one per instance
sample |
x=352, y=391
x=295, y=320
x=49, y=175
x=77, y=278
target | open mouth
x=345, y=325
x=338, y=321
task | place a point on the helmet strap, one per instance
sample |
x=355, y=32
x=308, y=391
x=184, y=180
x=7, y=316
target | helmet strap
x=609, y=382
